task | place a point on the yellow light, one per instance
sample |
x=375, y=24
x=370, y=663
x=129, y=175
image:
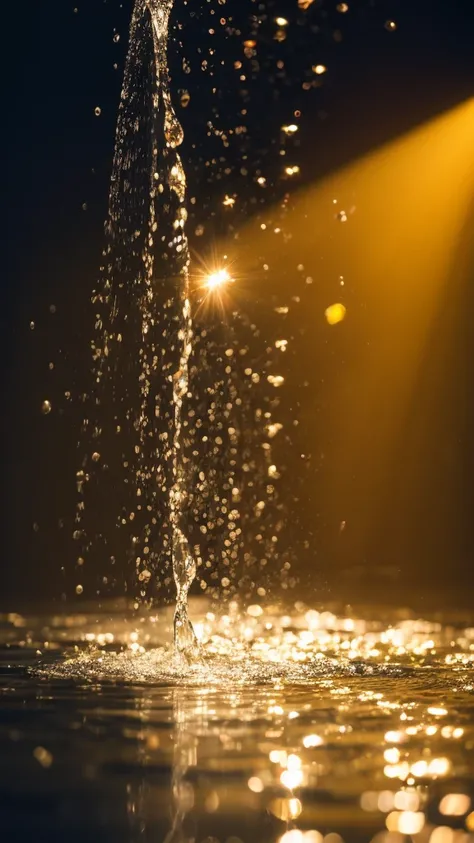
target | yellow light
x=217, y=279
x=281, y=21
x=290, y=130
x=439, y=767
x=255, y=784
x=455, y=804
x=291, y=778
x=291, y=171
x=335, y=313
x=228, y=201
x=311, y=741
x=394, y=737
x=411, y=822
x=319, y=69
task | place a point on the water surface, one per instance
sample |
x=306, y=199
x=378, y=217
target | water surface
x=292, y=727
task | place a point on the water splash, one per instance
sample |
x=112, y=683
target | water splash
x=144, y=335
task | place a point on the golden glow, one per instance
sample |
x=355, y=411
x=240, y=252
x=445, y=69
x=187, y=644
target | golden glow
x=437, y=711
x=217, y=279
x=401, y=258
x=455, y=804
x=335, y=313
x=285, y=809
x=290, y=130
x=311, y=741
x=319, y=69
x=281, y=21
x=406, y=822
x=292, y=171
x=255, y=784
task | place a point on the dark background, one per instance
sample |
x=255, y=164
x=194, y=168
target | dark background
x=56, y=169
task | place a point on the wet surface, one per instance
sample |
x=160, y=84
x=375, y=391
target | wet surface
x=290, y=728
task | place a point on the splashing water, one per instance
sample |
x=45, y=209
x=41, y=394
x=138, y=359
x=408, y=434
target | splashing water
x=144, y=327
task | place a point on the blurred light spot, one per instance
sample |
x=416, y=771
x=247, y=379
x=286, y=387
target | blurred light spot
x=442, y=834
x=437, y=711
x=310, y=741
x=255, y=784
x=43, y=757
x=211, y=803
x=293, y=836
x=406, y=800
x=335, y=313
x=394, y=737
x=406, y=822
x=291, y=778
x=319, y=69
x=285, y=809
x=454, y=804
x=392, y=755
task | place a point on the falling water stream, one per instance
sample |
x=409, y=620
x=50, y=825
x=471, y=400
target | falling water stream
x=184, y=568
x=144, y=327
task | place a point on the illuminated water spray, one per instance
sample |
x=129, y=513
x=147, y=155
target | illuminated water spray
x=144, y=331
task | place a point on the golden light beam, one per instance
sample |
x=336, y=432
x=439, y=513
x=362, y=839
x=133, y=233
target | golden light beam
x=391, y=224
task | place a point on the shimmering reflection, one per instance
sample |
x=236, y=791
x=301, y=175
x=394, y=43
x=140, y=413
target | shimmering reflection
x=371, y=740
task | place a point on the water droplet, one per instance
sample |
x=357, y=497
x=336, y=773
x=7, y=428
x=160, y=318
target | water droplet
x=116, y=38
x=95, y=457
x=79, y=589
x=173, y=130
x=46, y=407
x=97, y=111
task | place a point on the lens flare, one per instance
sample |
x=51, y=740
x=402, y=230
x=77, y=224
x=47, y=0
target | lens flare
x=217, y=279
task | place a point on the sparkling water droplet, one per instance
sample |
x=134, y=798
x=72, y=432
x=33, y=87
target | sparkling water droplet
x=79, y=589
x=116, y=38
x=97, y=111
x=173, y=130
x=95, y=457
x=46, y=407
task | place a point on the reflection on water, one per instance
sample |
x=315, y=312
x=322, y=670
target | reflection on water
x=355, y=730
